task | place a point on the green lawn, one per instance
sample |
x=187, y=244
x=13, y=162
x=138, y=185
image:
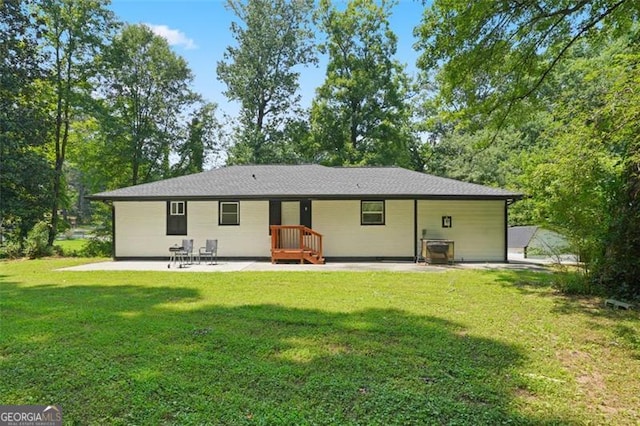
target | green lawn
x=70, y=247
x=457, y=347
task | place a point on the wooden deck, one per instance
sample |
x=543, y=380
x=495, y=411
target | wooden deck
x=296, y=242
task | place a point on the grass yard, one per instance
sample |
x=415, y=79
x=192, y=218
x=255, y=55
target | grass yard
x=70, y=247
x=455, y=347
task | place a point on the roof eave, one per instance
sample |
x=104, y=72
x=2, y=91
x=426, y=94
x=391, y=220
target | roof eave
x=507, y=197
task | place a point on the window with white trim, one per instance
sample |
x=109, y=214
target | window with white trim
x=372, y=212
x=177, y=208
x=229, y=213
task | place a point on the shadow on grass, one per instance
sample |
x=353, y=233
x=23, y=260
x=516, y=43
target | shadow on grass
x=527, y=282
x=142, y=355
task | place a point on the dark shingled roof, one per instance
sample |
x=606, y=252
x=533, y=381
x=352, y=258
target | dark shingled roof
x=305, y=181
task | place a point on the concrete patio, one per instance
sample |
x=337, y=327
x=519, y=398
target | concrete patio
x=237, y=266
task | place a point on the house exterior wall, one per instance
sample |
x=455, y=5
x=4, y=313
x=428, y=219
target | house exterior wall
x=478, y=227
x=249, y=239
x=343, y=235
x=141, y=229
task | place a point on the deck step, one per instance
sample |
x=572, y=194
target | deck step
x=295, y=242
x=297, y=254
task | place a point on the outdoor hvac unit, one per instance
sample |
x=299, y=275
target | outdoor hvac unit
x=437, y=251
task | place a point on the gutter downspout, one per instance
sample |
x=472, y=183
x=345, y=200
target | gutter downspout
x=507, y=203
x=415, y=230
x=506, y=230
x=113, y=229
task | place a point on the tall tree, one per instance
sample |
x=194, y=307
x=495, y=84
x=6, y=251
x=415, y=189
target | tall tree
x=587, y=183
x=202, y=141
x=261, y=73
x=494, y=54
x=146, y=89
x=74, y=33
x=24, y=171
x=618, y=267
x=496, y=59
x=360, y=114
x=462, y=156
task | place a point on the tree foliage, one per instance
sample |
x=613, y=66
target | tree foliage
x=616, y=124
x=74, y=31
x=24, y=170
x=360, y=114
x=65, y=97
x=585, y=181
x=145, y=91
x=273, y=40
x=494, y=54
x=496, y=64
x=202, y=141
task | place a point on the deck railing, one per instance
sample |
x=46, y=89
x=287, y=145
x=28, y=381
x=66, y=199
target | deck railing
x=295, y=242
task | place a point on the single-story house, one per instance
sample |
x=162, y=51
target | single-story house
x=353, y=213
x=536, y=241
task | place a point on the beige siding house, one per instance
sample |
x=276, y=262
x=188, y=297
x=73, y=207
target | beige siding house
x=361, y=213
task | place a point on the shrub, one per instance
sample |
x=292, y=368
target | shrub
x=575, y=283
x=12, y=241
x=10, y=249
x=96, y=247
x=36, y=241
x=58, y=251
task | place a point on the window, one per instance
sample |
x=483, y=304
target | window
x=372, y=213
x=229, y=213
x=177, y=208
x=176, y=218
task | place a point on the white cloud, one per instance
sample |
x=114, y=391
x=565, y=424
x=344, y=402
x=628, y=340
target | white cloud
x=173, y=37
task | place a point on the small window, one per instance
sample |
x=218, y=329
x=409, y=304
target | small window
x=229, y=213
x=372, y=213
x=177, y=208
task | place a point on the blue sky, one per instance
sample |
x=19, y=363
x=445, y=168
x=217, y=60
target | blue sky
x=198, y=30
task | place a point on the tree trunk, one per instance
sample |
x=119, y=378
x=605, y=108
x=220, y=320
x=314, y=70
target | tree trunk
x=353, y=131
x=135, y=165
x=62, y=137
x=53, y=229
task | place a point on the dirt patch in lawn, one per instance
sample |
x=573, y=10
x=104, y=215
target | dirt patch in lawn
x=590, y=379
